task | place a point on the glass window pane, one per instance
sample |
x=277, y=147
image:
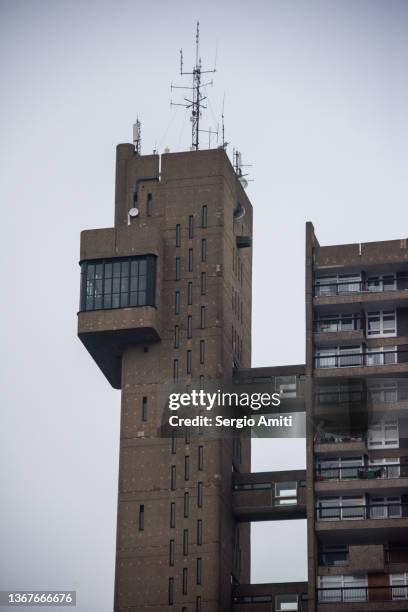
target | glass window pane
x=108, y=270
x=134, y=268
x=142, y=266
x=116, y=269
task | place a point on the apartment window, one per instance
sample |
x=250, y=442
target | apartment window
x=141, y=517
x=175, y=370
x=172, y=515
x=386, y=282
x=118, y=283
x=185, y=542
x=189, y=326
x=285, y=493
x=185, y=581
x=333, y=556
x=187, y=468
x=203, y=283
x=198, y=604
x=382, y=323
x=190, y=260
x=199, y=570
x=186, y=504
x=339, y=357
x=171, y=591
x=338, y=322
x=385, y=507
x=204, y=216
x=340, y=468
x=203, y=250
x=342, y=589
x=173, y=442
x=202, y=317
x=200, y=494
x=171, y=553
x=199, y=532
x=191, y=227
x=382, y=355
x=177, y=268
x=144, y=408
x=189, y=362
x=177, y=302
x=286, y=602
x=201, y=458
x=176, y=336
x=190, y=293
x=343, y=507
x=149, y=205
x=399, y=586
x=384, y=434
x=178, y=235
x=173, y=478
x=202, y=351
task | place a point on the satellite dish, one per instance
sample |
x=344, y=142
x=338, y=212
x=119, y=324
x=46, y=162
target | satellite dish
x=239, y=211
x=243, y=182
x=134, y=212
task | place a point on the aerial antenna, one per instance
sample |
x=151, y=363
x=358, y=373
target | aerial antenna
x=224, y=143
x=238, y=165
x=197, y=98
x=137, y=136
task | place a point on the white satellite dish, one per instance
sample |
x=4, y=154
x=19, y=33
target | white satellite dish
x=134, y=212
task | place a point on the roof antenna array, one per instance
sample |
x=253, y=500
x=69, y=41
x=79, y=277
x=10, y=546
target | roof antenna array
x=196, y=99
x=238, y=165
x=137, y=136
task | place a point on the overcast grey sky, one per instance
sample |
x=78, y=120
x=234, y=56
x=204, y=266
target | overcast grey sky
x=316, y=98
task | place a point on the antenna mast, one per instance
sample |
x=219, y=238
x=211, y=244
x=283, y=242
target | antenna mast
x=137, y=136
x=197, y=98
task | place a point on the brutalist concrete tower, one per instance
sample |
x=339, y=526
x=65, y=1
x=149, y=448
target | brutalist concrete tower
x=166, y=298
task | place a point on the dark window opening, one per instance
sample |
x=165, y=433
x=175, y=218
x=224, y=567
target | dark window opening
x=187, y=468
x=199, y=570
x=186, y=504
x=171, y=591
x=201, y=458
x=200, y=494
x=172, y=515
x=171, y=553
x=189, y=326
x=177, y=302
x=202, y=317
x=149, y=205
x=178, y=235
x=203, y=283
x=199, y=532
x=141, y=517
x=185, y=542
x=173, y=478
x=191, y=226
x=190, y=260
x=190, y=294
x=177, y=268
x=203, y=249
x=185, y=581
x=144, y=408
x=202, y=351
x=204, y=216
x=118, y=283
x=173, y=442
x=198, y=603
x=175, y=370
x=176, y=336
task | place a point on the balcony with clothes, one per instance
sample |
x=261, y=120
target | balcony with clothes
x=362, y=287
x=266, y=496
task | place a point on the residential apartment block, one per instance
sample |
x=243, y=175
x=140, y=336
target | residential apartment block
x=166, y=300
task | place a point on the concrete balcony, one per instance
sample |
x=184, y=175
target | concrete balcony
x=356, y=336
x=397, y=298
x=270, y=597
x=268, y=496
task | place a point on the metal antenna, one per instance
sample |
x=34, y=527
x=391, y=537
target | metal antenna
x=197, y=98
x=137, y=136
x=224, y=144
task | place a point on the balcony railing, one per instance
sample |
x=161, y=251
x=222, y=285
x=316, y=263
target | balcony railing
x=374, y=358
x=338, y=324
x=363, y=593
x=362, y=512
x=330, y=288
x=358, y=472
x=325, y=437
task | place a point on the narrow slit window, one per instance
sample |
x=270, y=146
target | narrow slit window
x=185, y=542
x=171, y=591
x=200, y=494
x=187, y=468
x=149, y=205
x=190, y=293
x=198, y=604
x=204, y=215
x=173, y=442
x=175, y=370
x=202, y=351
x=141, y=517
x=202, y=317
x=201, y=458
x=199, y=570
x=177, y=268
x=186, y=504
x=173, y=478
x=199, y=532
x=203, y=250
x=185, y=581
x=144, y=408
x=178, y=235
x=172, y=515
x=176, y=336
x=177, y=302
x=190, y=260
x=189, y=326
x=191, y=227
x=203, y=283
x=188, y=362
x=171, y=553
